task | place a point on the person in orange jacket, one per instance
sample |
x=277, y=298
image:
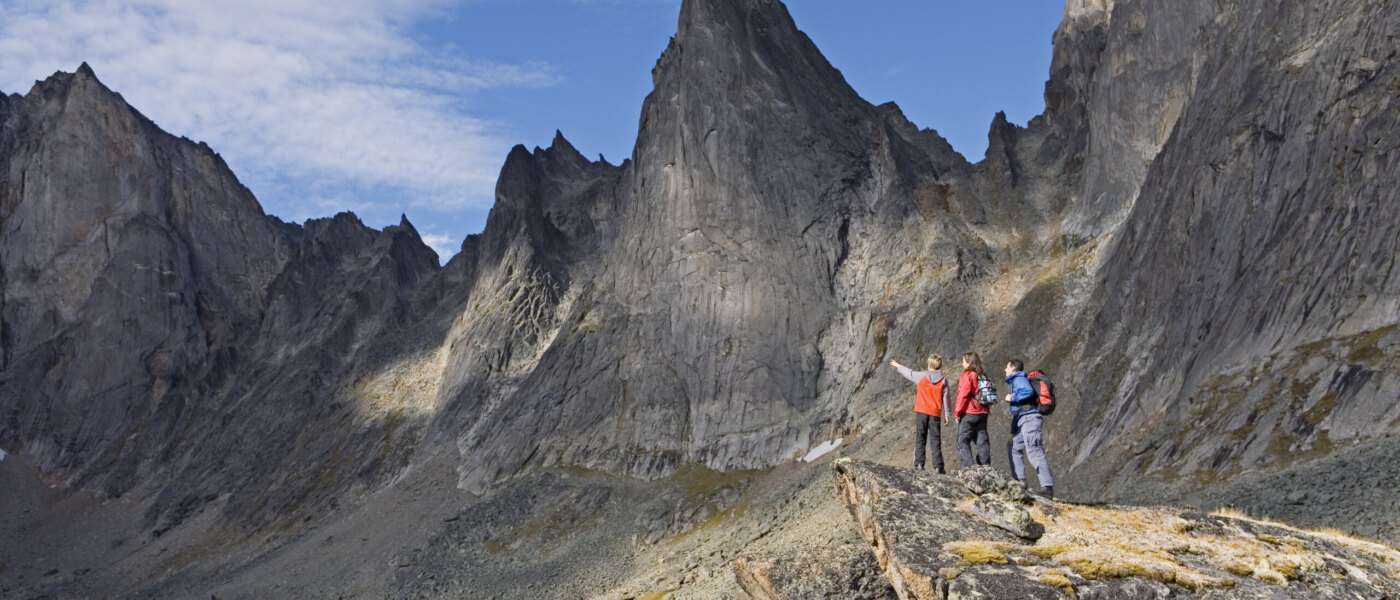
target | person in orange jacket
x=971, y=415
x=932, y=402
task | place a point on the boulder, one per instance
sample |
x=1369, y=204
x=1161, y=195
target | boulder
x=842, y=573
x=936, y=538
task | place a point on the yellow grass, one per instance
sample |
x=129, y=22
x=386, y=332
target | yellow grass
x=1230, y=512
x=1283, y=541
x=1297, y=559
x=1105, y=542
x=977, y=552
x=1233, y=513
x=1383, y=553
x=1098, y=543
x=1057, y=579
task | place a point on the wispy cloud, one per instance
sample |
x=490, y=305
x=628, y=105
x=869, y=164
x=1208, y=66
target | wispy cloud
x=307, y=100
x=445, y=245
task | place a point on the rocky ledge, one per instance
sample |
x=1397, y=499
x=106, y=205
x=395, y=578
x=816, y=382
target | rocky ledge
x=976, y=534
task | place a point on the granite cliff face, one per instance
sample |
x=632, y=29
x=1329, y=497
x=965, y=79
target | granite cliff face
x=1246, y=309
x=1195, y=238
x=134, y=268
x=705, y=275
x=158, y=326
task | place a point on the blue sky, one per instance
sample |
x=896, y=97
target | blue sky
x=410, y=107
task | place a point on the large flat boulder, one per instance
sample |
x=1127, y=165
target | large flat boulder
x=956, y=536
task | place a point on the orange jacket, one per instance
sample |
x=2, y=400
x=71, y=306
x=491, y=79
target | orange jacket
x=930, y=397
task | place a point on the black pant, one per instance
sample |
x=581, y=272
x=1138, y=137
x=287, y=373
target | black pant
x=926, y=431
x=973, y=429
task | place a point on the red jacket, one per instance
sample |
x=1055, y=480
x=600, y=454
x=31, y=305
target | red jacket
x=967, y=396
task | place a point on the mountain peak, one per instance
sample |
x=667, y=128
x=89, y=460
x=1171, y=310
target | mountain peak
x=62, y=82
x=739, y=74
x=710, y=12
x=752, y=39
x=564, y=149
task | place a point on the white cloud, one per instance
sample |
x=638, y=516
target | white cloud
x=307, y=100
x=445, y=245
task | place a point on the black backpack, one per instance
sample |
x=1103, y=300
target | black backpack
x=986, y=393
x=1044, y=398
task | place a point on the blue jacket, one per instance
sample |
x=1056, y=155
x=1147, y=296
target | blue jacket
x=1020, y=391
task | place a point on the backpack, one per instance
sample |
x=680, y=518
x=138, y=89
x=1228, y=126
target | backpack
x=986, y=394
x=1045, y=390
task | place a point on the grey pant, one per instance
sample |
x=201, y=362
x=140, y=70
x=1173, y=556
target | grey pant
x=972, y=431
x=1025, y=437
x=926, y=430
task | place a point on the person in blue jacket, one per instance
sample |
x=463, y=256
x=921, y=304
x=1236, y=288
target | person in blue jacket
x=1025, y=428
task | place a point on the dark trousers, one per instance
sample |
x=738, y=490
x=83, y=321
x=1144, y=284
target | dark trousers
x=926, y=431
x=972, y=430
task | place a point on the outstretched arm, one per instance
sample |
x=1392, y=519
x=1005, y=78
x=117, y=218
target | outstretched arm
x=905, y=371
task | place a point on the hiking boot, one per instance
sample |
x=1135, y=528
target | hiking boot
x=1048, y=492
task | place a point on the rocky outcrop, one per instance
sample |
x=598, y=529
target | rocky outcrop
x=932, y=542
x=844, y=573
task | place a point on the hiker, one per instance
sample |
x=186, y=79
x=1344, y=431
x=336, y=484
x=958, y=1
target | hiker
x=930, y=399
x=1025, y=428
x=971, y=413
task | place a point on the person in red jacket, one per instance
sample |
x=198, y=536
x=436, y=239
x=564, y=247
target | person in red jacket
x=971, y=415
x=931, y=402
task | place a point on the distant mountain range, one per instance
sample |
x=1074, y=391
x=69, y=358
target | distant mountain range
x=1196, y=239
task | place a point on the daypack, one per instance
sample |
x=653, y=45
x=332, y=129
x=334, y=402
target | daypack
x=986, y=394
x=1040, y=383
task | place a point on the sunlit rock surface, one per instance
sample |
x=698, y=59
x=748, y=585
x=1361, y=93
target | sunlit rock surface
x=932, y=544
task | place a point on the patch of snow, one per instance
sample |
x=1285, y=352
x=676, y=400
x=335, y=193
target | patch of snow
x=822, y=449
x=2, y=456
